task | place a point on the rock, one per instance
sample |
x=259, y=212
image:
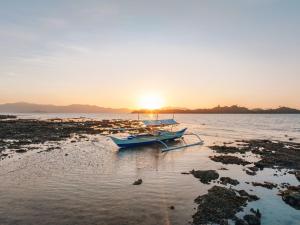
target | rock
x=4, y=117
x=138, y=182
x=249, y=197
x=297, y=174
x=223, y=168
x=172, y=207
x=256, y=212
x=253, y=168
x=224, y=222
x=21, y=150
x=276, y=153
x=66, y=154
x=291, y=196
x=266, y=184
x=240, y=222
x=252, y=219
x=251, y=173
x=186, y=173
x=217, y=205
x=205, y=176
x=227, y=149
x=24, y=132
x=228, y=159
x=228, y=180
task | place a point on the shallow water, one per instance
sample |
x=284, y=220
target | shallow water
x=93, y=183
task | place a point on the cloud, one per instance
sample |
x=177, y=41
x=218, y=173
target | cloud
x=100, y=11
x=17, y=33
x=56, y=23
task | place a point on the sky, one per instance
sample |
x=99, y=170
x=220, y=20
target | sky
x=187, y=53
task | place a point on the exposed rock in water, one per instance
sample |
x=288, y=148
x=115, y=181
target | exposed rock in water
x=228, y=159
x=223, y=168
x=256, y=212
x=250, y=172
x=240, y=222
x=138, y=182
x=218, y=205
x=291, y=196
x=228, y=180
x=21, y=150
x=273, y=154
x=227, y=149
x=253, y=168
x=297, y=175
x=205, y=176
x=276, y=153
x=248, y=196
x=266, y=184
x=172, y=207
x=24, y=132
x=252, y=219
x=185, y=173
x=4, y=117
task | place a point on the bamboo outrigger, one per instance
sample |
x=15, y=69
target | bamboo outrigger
x=156, y=135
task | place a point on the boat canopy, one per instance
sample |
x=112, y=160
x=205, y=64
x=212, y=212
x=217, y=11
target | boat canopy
x=160, y=122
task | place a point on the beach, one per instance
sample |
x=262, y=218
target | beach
x=64, y=169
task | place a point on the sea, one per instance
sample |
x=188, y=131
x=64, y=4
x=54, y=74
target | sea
x=90, y=182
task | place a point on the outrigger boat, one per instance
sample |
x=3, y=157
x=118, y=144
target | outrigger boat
x=156, y=135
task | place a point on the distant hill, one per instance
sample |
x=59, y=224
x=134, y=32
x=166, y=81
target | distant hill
x=224, y=110
x=23, y=107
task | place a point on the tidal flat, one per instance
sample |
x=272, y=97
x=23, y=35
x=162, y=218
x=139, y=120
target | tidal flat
x=67, y=171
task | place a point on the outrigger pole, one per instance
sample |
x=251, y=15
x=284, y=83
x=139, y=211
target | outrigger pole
x=167, y=148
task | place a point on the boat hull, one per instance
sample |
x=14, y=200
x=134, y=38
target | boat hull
x=146, y=140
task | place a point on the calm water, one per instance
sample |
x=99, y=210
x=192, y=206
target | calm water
x=93, y=183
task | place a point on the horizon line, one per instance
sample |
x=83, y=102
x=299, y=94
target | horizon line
x=141, y=109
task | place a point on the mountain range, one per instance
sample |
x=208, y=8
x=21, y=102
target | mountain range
x=234, y=109
x=23, y=107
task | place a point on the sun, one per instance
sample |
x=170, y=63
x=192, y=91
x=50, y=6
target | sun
x=150, y=101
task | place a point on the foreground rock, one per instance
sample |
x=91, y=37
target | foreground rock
x=205, y=176
x=218, y=205
x=228, y=180
x=291, y=196
x=228, y=159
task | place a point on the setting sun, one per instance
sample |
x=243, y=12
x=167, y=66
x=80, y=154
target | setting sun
x=151, y=101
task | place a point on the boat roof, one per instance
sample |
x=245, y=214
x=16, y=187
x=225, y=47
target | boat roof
x=166, y=122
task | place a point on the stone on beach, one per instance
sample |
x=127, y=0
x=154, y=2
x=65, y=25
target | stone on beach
x=205, y=176
x=138, y=182
x=228, y=180
x=219, y=204
x=268, y=185
x=228, y=159
x=291, y=196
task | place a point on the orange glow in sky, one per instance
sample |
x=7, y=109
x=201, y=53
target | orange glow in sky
x=150, y=101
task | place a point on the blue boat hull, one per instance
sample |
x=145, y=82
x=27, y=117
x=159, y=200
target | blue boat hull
x=127, y=143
